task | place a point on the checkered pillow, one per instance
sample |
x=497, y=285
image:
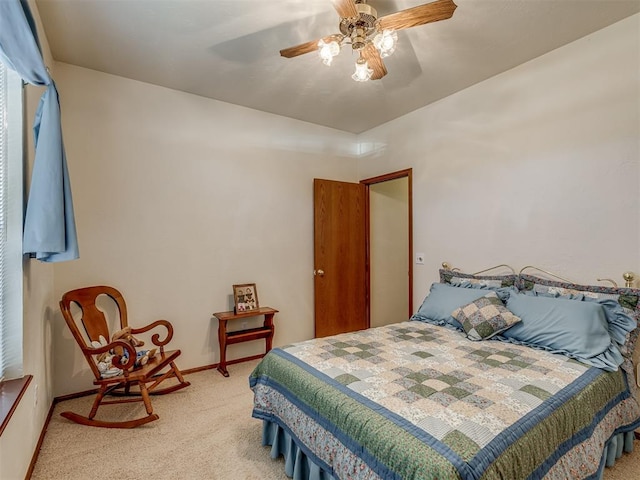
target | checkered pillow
x=485, y=317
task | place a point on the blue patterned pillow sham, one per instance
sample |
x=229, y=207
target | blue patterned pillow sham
x=561, y=325
x=470, y=280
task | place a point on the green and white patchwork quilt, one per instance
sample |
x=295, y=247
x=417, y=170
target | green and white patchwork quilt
x=419, y=401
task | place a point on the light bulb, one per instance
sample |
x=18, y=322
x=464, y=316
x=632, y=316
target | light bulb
x=385, y=42
x=328, y=50
x=363, y=72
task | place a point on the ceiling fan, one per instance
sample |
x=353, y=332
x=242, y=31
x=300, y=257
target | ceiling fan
x=372, y=37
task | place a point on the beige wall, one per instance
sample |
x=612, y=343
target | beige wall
x=177, y=198
x=389, y=251
x=539, y=165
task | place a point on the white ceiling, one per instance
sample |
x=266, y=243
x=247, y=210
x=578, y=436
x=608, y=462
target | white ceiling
x=229, y=49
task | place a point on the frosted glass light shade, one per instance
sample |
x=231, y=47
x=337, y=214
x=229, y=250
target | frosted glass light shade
x=386, y=42
x=363, y=72
x=328, y=50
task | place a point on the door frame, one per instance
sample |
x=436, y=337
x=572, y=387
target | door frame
x=408, y=173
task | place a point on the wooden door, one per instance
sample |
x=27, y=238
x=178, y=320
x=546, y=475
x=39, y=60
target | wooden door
x=340, y=260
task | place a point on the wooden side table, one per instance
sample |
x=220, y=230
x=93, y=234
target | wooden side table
x=229, y=338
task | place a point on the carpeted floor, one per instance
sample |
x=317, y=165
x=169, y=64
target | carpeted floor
x=204, y=432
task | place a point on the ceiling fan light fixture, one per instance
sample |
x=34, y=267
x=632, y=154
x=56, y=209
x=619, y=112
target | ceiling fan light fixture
x=328, y=50
x=363, y=72
x=386, y=42
x=371, y=37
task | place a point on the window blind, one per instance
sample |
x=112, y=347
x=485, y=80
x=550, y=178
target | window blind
x=3, y=216
x=10, y=224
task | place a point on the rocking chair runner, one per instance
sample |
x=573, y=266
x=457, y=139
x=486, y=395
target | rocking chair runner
x=95, y=325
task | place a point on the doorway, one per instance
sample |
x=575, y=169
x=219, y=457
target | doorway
x=389, y=247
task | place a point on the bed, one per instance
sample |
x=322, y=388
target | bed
x=545, y=389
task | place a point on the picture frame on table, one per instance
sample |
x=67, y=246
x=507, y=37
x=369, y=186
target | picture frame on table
x=245, y=297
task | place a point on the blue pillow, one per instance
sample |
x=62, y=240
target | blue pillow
x=577, y=329
x=622, y=306
x=620, y=323
x=442, y=300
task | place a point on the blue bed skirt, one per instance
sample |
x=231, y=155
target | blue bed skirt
x=297, y=464
x=614, y=448
x=300, y=466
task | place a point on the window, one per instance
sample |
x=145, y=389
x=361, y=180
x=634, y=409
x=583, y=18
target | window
x=11, y=211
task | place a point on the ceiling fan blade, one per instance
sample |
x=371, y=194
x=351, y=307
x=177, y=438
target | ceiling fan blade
x=345, y=8
x=300, y=49
x=372, y=56
x=420, y=15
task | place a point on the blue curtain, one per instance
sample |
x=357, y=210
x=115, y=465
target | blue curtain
x=49, y=226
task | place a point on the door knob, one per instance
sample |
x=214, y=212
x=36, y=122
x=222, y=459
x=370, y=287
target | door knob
x=320, y=273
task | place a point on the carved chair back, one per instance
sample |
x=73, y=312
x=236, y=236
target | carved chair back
x=92, y=317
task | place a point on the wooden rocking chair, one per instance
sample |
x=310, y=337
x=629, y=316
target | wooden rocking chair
x=95, y=325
